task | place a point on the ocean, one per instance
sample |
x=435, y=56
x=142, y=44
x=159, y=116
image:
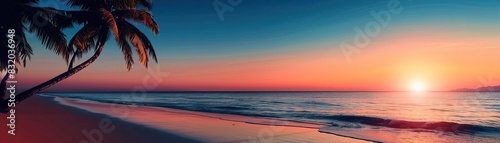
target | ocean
x=376, y=116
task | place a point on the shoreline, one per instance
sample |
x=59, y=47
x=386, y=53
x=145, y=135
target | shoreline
x=42, y=119
x=209, y=127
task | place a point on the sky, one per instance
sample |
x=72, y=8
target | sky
x=297, y=45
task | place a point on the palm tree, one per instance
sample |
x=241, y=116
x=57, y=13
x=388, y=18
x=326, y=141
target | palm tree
x=101, y=18
x=114, y=16
x=23, y=16
x=45, y=22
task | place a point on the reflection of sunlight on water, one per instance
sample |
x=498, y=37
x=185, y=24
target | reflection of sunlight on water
x=417, y=94
x=414, y=106
x=325, y=108
x=420, y=106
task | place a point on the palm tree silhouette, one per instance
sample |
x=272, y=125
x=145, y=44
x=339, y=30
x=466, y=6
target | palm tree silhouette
x=113, y=16
x=101, y=19
x=45, y=22
x=22, y=16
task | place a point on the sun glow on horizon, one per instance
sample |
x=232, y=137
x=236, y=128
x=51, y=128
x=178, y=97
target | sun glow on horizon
x=418, y=86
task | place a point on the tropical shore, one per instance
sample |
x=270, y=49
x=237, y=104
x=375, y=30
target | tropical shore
x=43, y=120
x=49, y=119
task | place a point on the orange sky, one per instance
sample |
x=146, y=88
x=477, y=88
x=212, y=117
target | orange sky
x=392, y=62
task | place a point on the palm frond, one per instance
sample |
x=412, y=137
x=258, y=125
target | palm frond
x=53, y=38
x=83, y=40
x=144, y=39
x=85, y=4
x=126, y=50
x=141, y=16
x=13, y=11
x=112, y=15
x=146, y=3
x=47, y=24
x=127, y=32
x=23, y=50
x=109, y=19
x=103, y=36
x=108, y=4
x=58, y=18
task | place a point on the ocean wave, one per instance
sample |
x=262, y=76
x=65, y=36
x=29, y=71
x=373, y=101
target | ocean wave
x=232, y=108
x=311, y=116
x=403, y=124
x=316, y=103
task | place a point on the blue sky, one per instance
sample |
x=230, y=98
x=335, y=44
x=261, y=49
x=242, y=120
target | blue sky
x=193, y=37
x=192, y=28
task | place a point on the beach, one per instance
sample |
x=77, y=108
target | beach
x=43, y=120
x=249, y=71
x=50, y=119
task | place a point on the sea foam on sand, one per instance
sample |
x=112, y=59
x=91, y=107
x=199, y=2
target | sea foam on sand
x=203, y=126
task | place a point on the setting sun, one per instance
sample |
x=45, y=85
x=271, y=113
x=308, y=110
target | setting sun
x=418, y=86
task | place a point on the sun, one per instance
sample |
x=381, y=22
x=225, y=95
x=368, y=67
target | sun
x=418, y=86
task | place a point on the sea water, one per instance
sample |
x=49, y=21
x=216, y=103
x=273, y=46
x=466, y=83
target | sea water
x=377, y=116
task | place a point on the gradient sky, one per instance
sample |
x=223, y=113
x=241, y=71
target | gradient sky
x=294, y=45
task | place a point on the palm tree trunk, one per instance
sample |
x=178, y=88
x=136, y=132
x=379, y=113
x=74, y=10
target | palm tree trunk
x=49, y=83
x=3, y=86
x=30, y=92
x=72, y=60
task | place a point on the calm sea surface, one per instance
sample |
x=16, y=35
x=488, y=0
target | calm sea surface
x=380, y=116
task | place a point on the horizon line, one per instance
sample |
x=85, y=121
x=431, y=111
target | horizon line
x=261, y=91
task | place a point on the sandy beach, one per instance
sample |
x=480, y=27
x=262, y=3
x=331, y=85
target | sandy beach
x=43, y=119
